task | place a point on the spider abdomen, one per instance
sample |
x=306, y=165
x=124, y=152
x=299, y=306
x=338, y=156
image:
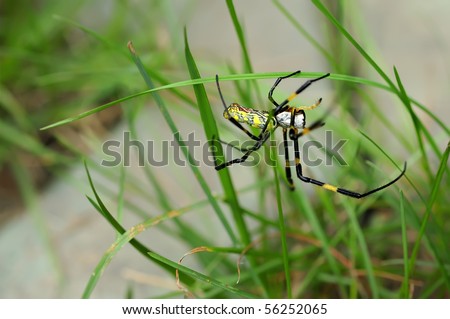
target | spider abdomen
x=252, y=117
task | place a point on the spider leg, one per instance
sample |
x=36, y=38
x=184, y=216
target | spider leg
x=304, y=86
x=247, y=153
x=243, y=129
x=288, y=164
x=276, y=84
x=303, y=178
x=294, y=135
x=306, y=130
x=241, y=149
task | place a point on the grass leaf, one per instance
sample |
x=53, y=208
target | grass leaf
x=443, y=167
x=206, y=279
x=184, y=149
x=211, y=132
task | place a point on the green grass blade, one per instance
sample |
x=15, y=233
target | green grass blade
x=358, y=47
x=237, y=77
x=369, y=59
x=435, y=251
x=393, y=162
x=121, y=241
x=305, y=33
x=184, y=149
x=301, y=200
x=240, y=34
x=162, y=198
x=120, y=195
x=384, y=119
x=191, y=236
x=104, y=40
x=170, y=86
x=443, y=167
x=25, y=141
x=363, y=249
x=281, y=222
x=428, y=293
x=404, y=291
x=416, y=122
x=107, y=43
x=196, y=275
x=438, y=121
x=15, y=109
x=93, y=111
x=101, y=208
x=211, y=132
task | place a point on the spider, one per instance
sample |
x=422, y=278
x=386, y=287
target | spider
x=293, y=122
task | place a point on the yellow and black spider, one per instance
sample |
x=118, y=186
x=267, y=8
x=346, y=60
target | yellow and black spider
x=292, y=120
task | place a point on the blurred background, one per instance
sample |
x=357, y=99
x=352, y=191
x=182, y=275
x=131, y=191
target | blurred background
x=60, y=58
